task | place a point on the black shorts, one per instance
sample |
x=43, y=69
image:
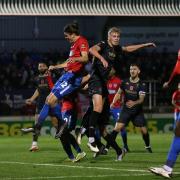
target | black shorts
x=97, y=86
x=137, y=118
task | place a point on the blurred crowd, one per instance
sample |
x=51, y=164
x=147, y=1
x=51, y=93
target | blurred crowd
x=19, y=68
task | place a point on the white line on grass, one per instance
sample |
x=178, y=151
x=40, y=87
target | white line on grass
x=68, y=177
x=70, y=166
x=81, y=167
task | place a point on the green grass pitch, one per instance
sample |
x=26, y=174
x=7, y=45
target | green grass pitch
x=16, y=162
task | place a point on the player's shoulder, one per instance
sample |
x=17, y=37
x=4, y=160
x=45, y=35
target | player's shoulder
x=82, y=39
x=125, y=82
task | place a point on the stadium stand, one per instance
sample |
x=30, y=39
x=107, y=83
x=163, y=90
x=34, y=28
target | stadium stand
x=91, y=7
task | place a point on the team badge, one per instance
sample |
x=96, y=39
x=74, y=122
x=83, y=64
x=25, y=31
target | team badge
x=131, y=88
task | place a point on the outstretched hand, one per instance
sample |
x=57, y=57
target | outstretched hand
x=150, y=44
x=165, y=85
x=51, y=68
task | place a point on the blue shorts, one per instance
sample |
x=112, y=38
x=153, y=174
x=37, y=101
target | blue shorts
x=115, y=112
x=66, y=84
x=70, y=118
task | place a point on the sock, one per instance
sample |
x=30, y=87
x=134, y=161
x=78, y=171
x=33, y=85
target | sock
x=56, y=110
x=98, y=142
x=43, y=114
x=34, y=143
x=173, y=152
x=35, y=137
x=124, y=137
x=92, y=123
x=113, y=144
x=66, y=145
x=114, y=134
x=107, y=146
x=146, y=139
x=74, y=143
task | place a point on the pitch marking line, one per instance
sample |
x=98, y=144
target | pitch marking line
x=70, y=166
x=69, y=177
x=144, y=172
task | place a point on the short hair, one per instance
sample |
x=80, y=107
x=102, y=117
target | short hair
x=114, y=30
x=72, y=28
x=42, y=62
x=135, y=64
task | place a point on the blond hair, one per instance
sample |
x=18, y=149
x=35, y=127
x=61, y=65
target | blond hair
x=114, y=30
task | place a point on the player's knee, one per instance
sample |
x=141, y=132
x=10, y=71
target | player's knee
x=118, y=127
x=98, y=108
x=51, y=100
x=143, y=130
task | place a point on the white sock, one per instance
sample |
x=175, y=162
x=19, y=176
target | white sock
x=34, y=143
x=83, y=130
x=91, y=139
x=167, y=168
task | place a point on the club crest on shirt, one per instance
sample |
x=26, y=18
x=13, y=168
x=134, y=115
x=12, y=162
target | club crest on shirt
x=111, y=55
x=131, y=88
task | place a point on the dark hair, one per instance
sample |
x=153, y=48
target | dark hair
x=72, y=28
x=42, y=62
x=136, y=64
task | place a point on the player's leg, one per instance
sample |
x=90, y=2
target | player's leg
x=84, y=128
x=140, y=121
x=66, y=84
x=34, y=146
x=66, y=145
x=166, y=170
x=97, y=109
x=111, y=141
x=102, y=123
x=115, y=112
x=54, y=122
x=175, y=147
x=146, y=139
x=50, y=101
x=124, y=118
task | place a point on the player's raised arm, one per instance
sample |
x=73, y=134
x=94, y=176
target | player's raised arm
x=58, y=66
x=132, y=48
x=94, y=50
x=175, y=71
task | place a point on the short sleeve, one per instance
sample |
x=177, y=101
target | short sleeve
x=102, y=45
x=142, y=89
x=83, y=45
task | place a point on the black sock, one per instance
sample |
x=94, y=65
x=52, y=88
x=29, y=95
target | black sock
x=98, y=142
x=107, y=146
x=146, y=139
x=66, y=145
x=114, y=134
x=113, y=144
x=92, y=123
x=124, y=138
x=74, y=143
x=35, y=137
